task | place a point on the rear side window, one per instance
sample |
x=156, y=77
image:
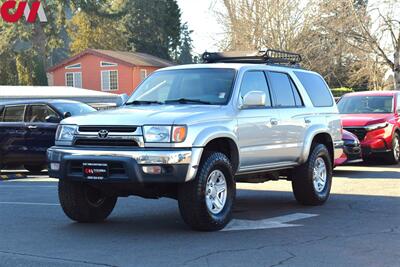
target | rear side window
x=14, y=114
x=1, y=113
x=316, y=88
x=255, y=81
x=285, y=91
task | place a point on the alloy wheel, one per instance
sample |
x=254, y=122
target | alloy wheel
x=319, y=175
x=216, y=192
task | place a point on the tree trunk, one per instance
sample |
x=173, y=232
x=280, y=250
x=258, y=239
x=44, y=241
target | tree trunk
x=396, y=70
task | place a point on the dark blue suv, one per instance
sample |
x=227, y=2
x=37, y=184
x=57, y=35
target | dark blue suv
x=28, y=128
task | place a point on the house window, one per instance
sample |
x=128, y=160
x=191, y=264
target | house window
x=73, y=79
x=108, y=64
x=75, y=66
x=109, y=80
x=143, y=74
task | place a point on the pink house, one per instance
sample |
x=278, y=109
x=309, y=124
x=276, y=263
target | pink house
x=104, y=70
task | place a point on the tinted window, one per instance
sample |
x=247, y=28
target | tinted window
x=297, y=97
x=14, y=114
x=365, y=104
x=255, y=81
x=74, y=108
x=1, y=113
x=39, y=113
x=282, y=87
x=316, y=88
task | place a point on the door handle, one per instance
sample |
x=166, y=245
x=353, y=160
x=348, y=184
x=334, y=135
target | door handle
x=274, y=122
x=307, y=121
x=32, y=127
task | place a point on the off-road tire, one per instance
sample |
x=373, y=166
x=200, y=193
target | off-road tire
x=302, y=182
x=192, y=195
x=77, y=205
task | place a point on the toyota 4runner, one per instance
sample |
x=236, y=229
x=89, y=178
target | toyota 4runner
x=192, y=132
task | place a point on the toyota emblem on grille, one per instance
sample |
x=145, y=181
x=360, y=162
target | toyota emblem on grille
x=103, y=134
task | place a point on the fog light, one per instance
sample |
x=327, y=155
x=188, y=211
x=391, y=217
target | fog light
x=55, y=166
x=152, y=169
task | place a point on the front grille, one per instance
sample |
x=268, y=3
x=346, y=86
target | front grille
x=106, y=142
x=359, y=132
x=110, y=129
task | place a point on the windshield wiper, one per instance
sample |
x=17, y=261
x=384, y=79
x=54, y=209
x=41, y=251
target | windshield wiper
x=144, y=103
x=188, y=101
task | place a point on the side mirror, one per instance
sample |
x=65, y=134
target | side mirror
x=67, y=115
x=52, y=119
x=254, y=99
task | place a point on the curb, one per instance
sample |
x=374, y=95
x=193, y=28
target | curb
x=10, y=177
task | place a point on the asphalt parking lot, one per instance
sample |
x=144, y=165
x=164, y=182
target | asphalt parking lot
x=359, y=226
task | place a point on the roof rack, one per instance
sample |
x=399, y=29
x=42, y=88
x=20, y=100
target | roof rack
x=269, y=56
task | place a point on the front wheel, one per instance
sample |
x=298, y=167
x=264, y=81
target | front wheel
x=84, y=203
x=313, y=180
x=206, y=203
x=393, y=157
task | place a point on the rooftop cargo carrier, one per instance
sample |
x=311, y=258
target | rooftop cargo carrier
x=269, y=56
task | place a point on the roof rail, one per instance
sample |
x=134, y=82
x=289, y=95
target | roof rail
x=269, y=56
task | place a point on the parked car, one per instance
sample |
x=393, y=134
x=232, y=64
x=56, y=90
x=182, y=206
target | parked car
x=191, y=132
x=374, y=118
x=351, y=149
x=28, y=129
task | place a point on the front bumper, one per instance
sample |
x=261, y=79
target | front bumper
x=125, y=165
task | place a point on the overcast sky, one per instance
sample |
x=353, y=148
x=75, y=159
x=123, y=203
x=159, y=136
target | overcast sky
x=201, y=19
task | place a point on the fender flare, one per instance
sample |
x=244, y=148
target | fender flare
x=311, y=133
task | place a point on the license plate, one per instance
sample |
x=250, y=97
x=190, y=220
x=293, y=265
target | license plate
x=95, y=171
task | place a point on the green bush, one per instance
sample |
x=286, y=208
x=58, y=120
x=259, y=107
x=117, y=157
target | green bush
x=339, y=92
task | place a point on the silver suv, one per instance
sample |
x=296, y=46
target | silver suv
x=192, y=132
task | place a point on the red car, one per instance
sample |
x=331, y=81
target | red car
x=374, y=118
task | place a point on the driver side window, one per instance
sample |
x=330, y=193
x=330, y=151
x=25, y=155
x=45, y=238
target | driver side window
x=39, y=113
x=255, y=81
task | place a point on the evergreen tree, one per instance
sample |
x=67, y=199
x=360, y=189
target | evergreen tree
x=186, y=46
x=153, y=27
x=96, y=32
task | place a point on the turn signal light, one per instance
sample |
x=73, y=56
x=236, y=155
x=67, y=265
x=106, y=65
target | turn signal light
x=179, y=134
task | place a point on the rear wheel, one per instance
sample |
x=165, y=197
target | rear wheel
x=35, y=169
x=393, y=157
x=84, y=203
x=313, y=180
x=206, y=202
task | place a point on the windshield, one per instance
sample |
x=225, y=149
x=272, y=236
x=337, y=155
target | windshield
x=189, y=86
x=74, y=108
x=366, y=104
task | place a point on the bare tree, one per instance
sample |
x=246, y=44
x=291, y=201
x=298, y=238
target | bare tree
x=380, y=30
x=253, y=24
x=350, y=42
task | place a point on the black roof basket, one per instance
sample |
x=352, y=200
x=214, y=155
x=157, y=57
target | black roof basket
x=269, y=56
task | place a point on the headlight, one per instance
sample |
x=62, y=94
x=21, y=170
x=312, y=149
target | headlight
x=376, y=126
x=66, y=132
x=157, y=134
x=164, y=134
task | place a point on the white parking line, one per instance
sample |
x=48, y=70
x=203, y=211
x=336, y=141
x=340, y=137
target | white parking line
x=26, y=186
x=29, y=203
x=276, y=222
